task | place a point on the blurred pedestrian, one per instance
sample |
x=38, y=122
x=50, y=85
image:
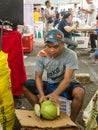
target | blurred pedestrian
x=75, y=10
x=94, y=37
x=56, y=20
x=65, y=27
x=49, y=15
x=36, y=15
x=91, y=12
x=42, y=15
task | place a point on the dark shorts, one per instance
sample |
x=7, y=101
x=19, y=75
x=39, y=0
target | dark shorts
x=48, y=88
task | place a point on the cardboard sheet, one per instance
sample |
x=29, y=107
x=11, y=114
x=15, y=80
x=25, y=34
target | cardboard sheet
x=30, y=120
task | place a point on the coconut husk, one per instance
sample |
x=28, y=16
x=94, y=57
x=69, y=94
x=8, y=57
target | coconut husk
x=83, y=78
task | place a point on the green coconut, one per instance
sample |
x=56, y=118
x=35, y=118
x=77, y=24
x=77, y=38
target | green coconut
x=49, y=110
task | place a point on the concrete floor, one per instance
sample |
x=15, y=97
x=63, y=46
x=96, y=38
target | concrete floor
x=85, y=66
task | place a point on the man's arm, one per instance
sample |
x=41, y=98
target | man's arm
x=65, y=82
x=70, y=28
x=47, y=14
x=39, y=83
x=54, y=96
x=88, y=11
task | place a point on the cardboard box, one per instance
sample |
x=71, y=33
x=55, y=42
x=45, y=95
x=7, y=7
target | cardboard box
x=30, y=121
x=82, y=41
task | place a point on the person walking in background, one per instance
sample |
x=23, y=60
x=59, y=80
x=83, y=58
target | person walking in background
x=75, y=10
x=56, y=20
x=42, y=15
x=36, y=15
x=56, y=10
x=79, y=14
x=91, y=12
x=65, y=27
x=94, y=37
x=48, y=16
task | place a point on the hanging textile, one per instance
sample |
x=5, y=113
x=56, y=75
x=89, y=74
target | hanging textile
x=12, y=44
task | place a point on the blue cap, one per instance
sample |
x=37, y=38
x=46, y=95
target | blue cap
x=54, y=36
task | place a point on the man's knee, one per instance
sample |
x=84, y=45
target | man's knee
x=29, y=82
x=24, y=88
x=79, y=93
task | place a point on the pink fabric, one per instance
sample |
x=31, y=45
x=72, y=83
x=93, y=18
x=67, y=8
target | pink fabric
x=12, y=44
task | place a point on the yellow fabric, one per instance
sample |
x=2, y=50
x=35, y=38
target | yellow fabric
x=9, y=124
x=36, y=16
x=7, y=112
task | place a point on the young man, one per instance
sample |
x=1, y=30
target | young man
x=60, y=64
x=64, y=26
x=49, y=15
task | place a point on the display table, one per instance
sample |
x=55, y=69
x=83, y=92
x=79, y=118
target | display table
x=83, y=39
x=85, y=29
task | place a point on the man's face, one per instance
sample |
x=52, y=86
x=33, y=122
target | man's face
x=48, y=4
x=54, y=50
x=69, y=19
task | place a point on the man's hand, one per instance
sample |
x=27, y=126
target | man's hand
x=54, y=98
x=42, y=98
x=74, y=26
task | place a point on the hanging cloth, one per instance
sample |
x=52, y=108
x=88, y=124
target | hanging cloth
x=12, y=44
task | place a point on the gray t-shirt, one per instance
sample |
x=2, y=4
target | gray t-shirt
x=56, y=67
x=47, y=12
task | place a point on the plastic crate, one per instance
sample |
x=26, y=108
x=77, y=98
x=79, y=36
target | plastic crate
x=82, y=42
x=27, y=43
x=65, y=105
